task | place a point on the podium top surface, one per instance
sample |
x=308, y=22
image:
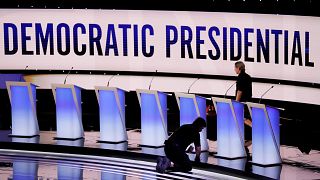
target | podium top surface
x=216, y=99
x=54, y=86
x=147, y=91
x=109, y=88
x=258, y=105
x=18, y=83
x=188, y=95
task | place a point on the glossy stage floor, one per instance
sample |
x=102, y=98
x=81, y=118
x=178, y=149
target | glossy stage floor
x=43, y=157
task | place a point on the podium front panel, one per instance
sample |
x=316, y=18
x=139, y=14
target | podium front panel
x=188, y=111
x=265, y=136
x=68, y=111
x=112, y=115
x=230, y=128
x=153, y=118
x=23, y=109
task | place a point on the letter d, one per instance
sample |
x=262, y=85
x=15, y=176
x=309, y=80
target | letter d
x=14, y=41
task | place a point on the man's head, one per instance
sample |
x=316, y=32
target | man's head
x=199, y=123
x=239, y=67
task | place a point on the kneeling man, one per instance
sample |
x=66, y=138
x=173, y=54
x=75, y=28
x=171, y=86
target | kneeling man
x=175, y=147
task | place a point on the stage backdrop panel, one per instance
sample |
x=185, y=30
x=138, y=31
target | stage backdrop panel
x=273, y=46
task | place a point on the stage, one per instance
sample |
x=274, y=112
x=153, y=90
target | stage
x=93, y=89
x=44, y=157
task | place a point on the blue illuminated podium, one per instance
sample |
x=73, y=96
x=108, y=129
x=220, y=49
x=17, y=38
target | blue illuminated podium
x=192, y=106
x=23, y=107
x=204, y=156
x=153, y=117
x=265, y=134
x=230, y=128
x=273, y=172
x=112, y=114
x=68, y=111
x=239, y=164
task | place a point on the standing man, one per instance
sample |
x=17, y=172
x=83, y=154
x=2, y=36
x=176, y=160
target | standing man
x=175, y=147
x=244, y=94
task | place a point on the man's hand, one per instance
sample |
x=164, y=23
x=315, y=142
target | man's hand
x=248, y=122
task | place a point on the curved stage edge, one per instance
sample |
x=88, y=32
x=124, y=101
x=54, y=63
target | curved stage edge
x=124, y=163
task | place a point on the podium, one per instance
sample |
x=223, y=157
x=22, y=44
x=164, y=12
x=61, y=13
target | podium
x=153, y=151
x=77, y=143
x=112, y=114
x=230, y=128
x=115, y=146
x=239, y=164
x=22, y=97
x=204, y=156
x=265, y=134
x=34, y=140
x=153, y=118
x=68, y=111
x=192, y=106
x=273, y=172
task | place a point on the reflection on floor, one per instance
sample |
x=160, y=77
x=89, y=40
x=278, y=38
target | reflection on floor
x=295, y=163
x=25, y=165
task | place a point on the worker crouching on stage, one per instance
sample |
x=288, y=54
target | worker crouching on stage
x=176, y=158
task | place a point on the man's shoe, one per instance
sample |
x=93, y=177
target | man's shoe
x=159, y=164
x=167, y=163
x=163, y=163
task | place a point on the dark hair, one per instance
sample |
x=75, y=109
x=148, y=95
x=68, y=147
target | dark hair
x=240, y=65
x=199, y=123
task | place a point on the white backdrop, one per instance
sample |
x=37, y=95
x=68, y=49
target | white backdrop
x=159, y=20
